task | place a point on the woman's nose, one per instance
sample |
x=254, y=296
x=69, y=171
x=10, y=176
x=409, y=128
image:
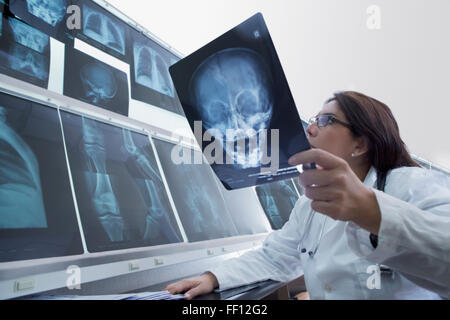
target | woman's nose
x=311, y=130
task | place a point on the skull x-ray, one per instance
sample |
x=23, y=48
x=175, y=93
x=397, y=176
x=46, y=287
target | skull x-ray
x=235, y=90
x=198, y=200
x=150, y=77
x=25, y=52
x=37, y=212
x=277, y=199
x=95, y=82
x=121, y=196
x=48, y=16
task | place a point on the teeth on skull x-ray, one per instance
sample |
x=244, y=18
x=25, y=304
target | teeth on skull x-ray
x=98, y=81
x=104, y=30
x=50, y=11
x=151, y=70
x=103, y=198
x=232, y=91
x=29, y=36
x=156, y=220
x=21, y=202
x=28, y=62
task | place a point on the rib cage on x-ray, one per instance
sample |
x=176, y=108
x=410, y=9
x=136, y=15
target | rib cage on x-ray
x=50, y=11
x=102, y=29
x=151, y=70
x=21, y=202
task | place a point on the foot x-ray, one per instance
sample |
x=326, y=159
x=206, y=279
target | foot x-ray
x=277, y=199
x=48, y=16
x=150, y=79
x=121, y=196
x=235, y=88
x=24, y=52
x=199, y=203
x=95, y=82
x=37, y=212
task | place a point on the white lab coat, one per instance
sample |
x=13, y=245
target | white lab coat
x=340, y=268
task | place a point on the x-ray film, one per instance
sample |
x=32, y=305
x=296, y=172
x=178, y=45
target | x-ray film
x=150, y=79
x=278, y=199
x=120, y=193
x=37, y=213
x=95, y=82
x=103, y=30
x=24, y=52
x=239, y=106
x=200, y=205
x=48, y=16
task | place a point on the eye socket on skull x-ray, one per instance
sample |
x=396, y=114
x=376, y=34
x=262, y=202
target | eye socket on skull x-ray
x=120, y=191
x=277, y=199
x=101, y=28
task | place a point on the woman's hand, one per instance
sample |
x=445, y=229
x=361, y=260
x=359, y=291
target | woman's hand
x=195, y=286
x=336, y=191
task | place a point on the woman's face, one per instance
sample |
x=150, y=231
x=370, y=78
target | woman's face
x=334, y=138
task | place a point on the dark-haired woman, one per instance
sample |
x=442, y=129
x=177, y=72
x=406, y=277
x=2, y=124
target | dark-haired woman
x=363, y=170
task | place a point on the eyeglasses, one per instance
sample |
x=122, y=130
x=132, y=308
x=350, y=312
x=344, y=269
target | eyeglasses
x=327, y=119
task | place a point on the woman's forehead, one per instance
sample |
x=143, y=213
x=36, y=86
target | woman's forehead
x=331, y=107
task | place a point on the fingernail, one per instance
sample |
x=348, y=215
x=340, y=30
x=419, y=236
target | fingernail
x=291, y=161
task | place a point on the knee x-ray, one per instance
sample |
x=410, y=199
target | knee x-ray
x=95, y=82
x=235, y=89
x=37, y=213
x=150, y=77
x=277, y=199
x=200, y=205
x=25, y=52
x=121, y=196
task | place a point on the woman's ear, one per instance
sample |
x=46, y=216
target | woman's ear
x=361, y=146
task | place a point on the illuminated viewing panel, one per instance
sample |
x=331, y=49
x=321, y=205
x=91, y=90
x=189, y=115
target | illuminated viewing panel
x=37, y=216
x=120, y=193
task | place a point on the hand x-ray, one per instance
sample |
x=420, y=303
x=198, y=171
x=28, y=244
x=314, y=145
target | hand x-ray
x=150, y=79
x=238, y=103
x=103, y=30
x=95, y=82
x=48, y=16
x=37, y=213
x=24, y=52
x=278, y=199
x=200, y=205
x=120, y=193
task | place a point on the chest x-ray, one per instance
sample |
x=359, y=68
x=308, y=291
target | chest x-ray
x=120, y=192
x=25, y=52
x=37, y=213
x=277, y=199
x=48, y=16
x=150, y=77
x=200, y=205
x=234, y=88
x=95, y=82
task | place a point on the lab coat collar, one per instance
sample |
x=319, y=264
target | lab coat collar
x=371, y=177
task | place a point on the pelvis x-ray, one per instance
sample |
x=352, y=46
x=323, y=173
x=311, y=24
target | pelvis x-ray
x=101, y=28
x=200, y=205
x=120, y=192
x=277, y=199
x=37, y=212
x=25, y=52
x=95, y=82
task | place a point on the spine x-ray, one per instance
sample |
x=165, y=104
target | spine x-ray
x=120, y=192
x=24, y=52
x=150, y=79
x=48, y=16
x=37, y=213
x=200, y=205
x=278, y=199
x=95, y=82
x=236, y=89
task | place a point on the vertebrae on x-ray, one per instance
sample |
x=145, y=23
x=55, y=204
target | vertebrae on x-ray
x=50, y=11
x=103, y=198
x=21, y=202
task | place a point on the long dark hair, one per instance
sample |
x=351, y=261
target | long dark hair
x=374, y=121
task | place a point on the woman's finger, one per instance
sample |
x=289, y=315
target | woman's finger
x=321, y=157
x=316, y=177
x=327, y=193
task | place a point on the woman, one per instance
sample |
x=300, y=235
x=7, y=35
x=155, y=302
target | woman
x=359, y=153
